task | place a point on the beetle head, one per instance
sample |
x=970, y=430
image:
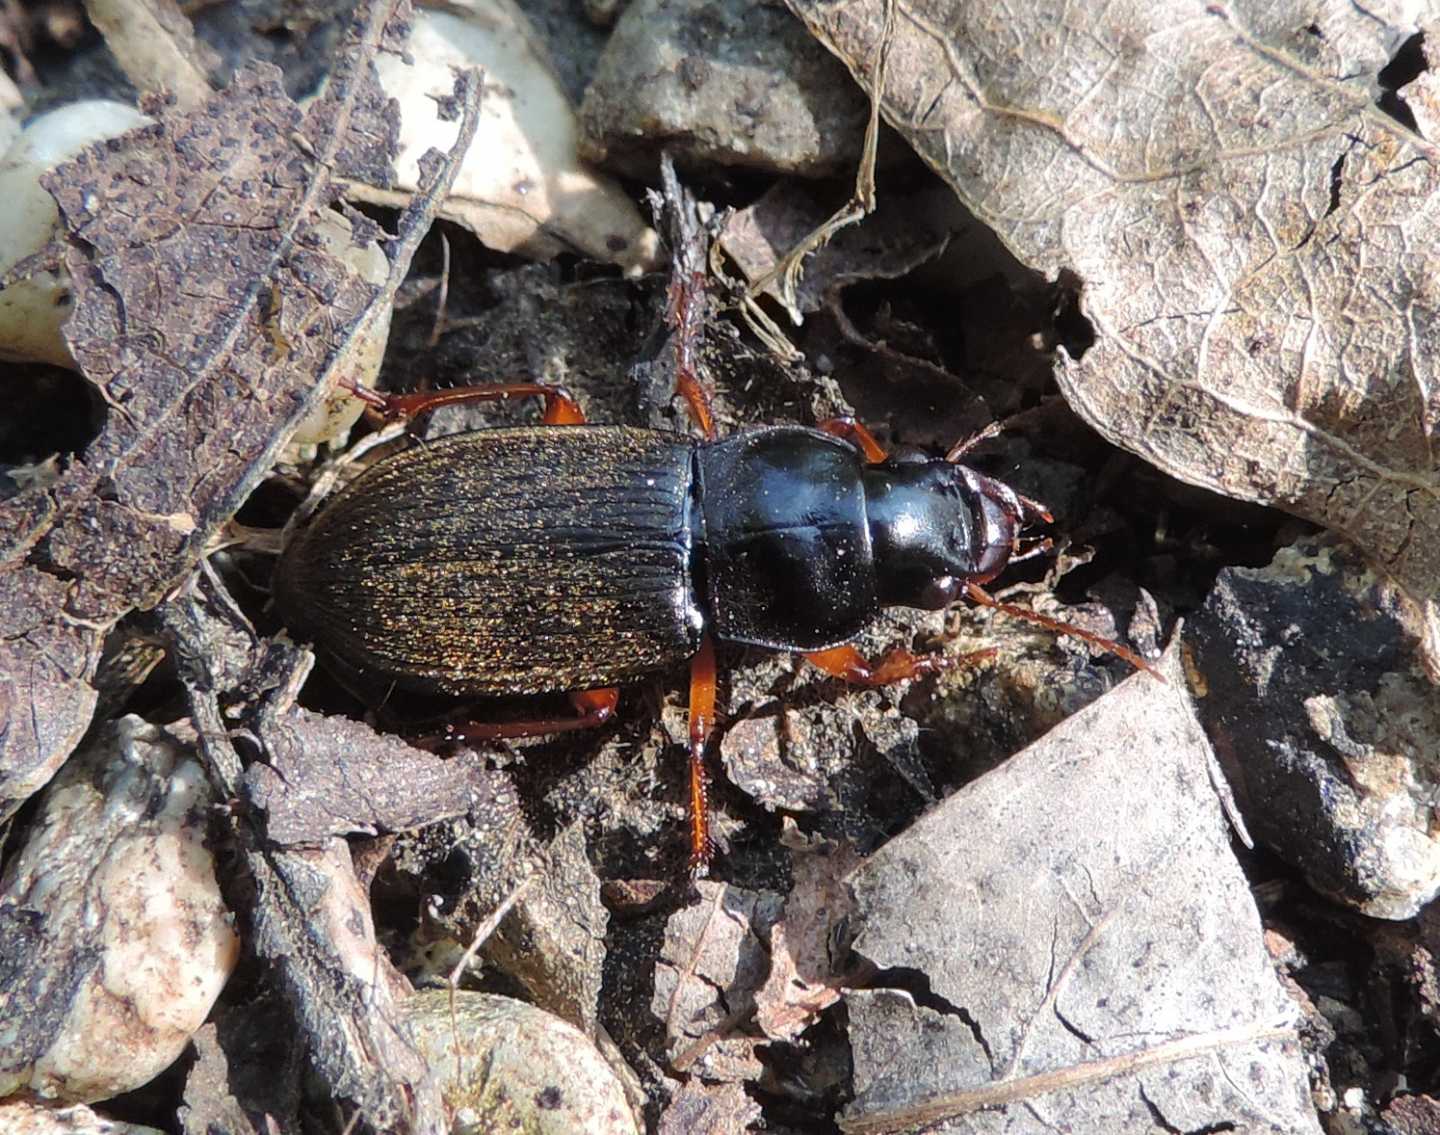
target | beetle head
x=936, y=526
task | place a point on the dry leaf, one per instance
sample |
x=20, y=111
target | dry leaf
x=1413, y=1115
x=206, y=312
x=904, y=233
x=330, y=776
x=808, y=957
x=714, y=958
x=709, y=1109
x=310, y=917
x=553, y=940
x=35, y=306
x=1257, y=242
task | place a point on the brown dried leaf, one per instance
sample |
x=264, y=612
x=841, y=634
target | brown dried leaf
x=897, y=238
x=804, y=979
x=709, y=1109
x=45, y=702
x=331, y=776
x=346, y=997
x=1257, y=242
x=203, y=313
x=1413, y=1115
x=713, y=960
x=553, y=939
x=310, y=919
x=207, y=315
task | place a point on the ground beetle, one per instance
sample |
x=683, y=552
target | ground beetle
x=573, y=557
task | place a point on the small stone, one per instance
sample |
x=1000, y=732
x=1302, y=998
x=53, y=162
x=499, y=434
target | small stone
x=722, y=81
x=504, y=1065
x=1325, y=724
x=114, y=940
x=19, y=1117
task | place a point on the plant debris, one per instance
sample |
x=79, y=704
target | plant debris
x=1015, y=891
x=1254, y=282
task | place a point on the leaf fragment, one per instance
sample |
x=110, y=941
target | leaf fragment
x=208, y=316
x=1257, y=242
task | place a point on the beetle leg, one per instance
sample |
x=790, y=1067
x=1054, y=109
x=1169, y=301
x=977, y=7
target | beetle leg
x=698, y=400
x=593, y=707
x=702, y=717
x=898, y=665
x=561, y=409
x=686, y=314
x=985, y=599
x=1040, y=546
x=855, y=433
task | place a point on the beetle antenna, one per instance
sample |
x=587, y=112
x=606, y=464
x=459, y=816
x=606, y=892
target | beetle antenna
x=965, y=445
x=1031, y=508
x=985, y=599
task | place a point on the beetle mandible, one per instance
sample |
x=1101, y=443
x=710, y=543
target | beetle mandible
x=573, y=557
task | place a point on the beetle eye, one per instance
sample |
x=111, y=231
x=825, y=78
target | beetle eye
x=939, y=593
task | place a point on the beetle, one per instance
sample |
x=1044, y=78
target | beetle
x=565, y=557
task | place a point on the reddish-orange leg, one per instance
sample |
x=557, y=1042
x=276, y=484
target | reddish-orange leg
x=1035, y=508
x=686, y=315
x=702, y=720
x=593, y=707
x=985, y=599
x=561, y=409
x=855, y=433
x=897, y=665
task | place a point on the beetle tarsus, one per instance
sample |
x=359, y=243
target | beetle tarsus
x=1040, y=546
x=965, y=445
x=702, y=845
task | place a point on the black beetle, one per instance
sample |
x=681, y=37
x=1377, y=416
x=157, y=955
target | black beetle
x=572, y=557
